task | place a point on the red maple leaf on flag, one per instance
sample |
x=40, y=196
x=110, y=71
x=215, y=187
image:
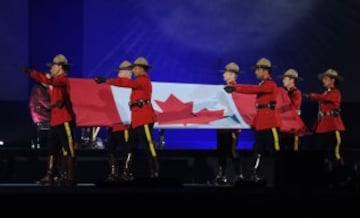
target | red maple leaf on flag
x=174, y=111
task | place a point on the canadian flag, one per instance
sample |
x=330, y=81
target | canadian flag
x=177, y=105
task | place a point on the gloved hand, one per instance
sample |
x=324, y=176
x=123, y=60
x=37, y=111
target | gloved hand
x=100, y=80
x=25, y=69
x=229, y=89
x=306, y=95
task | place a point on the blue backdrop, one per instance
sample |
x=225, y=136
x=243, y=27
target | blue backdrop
x=189, y=41
x=14, y=41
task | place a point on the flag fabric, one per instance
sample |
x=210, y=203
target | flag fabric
x=93, y=104
x=177, y=105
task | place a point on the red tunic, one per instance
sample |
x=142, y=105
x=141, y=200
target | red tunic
x=59, y=94
x=266, y=118
x=329, y=101
x=295, y=97
x=141, y=90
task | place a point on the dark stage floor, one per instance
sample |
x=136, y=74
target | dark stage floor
x=173, y=189
x=184, y=199
x=184, y=174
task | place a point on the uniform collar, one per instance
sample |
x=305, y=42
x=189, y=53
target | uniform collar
x=233, y=82
x=292, y=89
x=62, y=75
x=144, y=75
x=330, y=89
x=265, y=80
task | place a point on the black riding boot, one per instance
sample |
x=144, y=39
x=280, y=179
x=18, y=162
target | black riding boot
x=154, y=167
x=69, y=172
x=48, y=179
x=127, y=172
x=220, y=178
x=239, y=176
x=254, y=174
x=113, y=166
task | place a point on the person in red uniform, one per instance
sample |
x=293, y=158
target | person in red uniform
x=329, y=125
x=267, y=120
x=289, y=140
x=143, y=115
x=227, y=139
x=118, y=134
x=62, y=117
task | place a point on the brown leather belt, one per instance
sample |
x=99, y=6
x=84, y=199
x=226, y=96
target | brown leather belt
x=334, y=113
x=59, y=104
x=139, y=103
x=270, y=105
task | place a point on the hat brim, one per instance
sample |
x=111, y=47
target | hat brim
x=322, y=75
x=298, y=79
x=149, y=67
x=50, y=64
x=223, y=71
x=123, y=68
x=262, y=67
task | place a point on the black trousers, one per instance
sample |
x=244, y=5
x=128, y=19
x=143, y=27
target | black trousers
x=330, y=143
x=226, y=147
x=61, y=139
x=289, y=142
x=142, y=135
x=117, y=139
x=267, y=141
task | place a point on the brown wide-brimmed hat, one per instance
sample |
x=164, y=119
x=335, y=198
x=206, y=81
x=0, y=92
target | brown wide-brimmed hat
x=125, y=65
x=292, y=73
x=142, y=62
x=231, y=67
x=331, y=73
x=263, y=63
x=59, y=59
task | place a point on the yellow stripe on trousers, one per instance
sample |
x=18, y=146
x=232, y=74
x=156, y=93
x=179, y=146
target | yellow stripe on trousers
x=234, y=140
x=126, y=135
x=64, y=152
x=337, y=147
x=150, y=141
x=70, y=139
x=296, y=143
x=276, y=139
